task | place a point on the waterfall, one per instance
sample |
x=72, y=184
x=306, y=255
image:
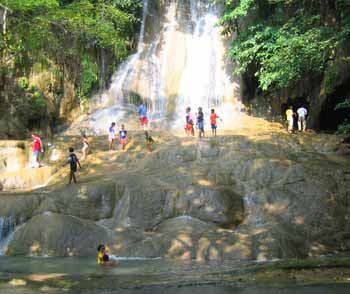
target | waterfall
x=8, y=226
x=180, y=61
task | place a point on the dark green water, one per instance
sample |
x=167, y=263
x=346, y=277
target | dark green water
x=204, y=289
x=83, y=276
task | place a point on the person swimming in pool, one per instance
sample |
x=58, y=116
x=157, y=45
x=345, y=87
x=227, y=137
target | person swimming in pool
x=103, y=258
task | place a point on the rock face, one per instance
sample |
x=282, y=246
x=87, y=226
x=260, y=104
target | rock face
x=54, y=234
x=258, y=196
x=94, y=201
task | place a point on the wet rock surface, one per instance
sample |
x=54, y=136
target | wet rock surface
x=247, y=194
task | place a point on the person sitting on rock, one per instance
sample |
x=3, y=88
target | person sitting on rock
x=149, y=142
x=103, y=258
x=73, y=162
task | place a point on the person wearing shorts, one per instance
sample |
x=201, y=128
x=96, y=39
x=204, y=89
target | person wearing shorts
x=37, y=148
x=142, y=111
x=200, y=122
x=73, y=162
x=123, y=137
x=290, y=119
x=111, y=136
x=213, y=117
x=189, y=122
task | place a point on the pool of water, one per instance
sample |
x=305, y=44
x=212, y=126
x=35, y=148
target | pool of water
x=134, y=266
x=25, y=275
x=202, y=289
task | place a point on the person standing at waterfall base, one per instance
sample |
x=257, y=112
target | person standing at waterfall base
x=111, y=136
x=123, y=137
x=200, y=122
x=142, y=111
x=37, y=148
x=213, y=117
x=189, y=122
x=302, y=113
x=73, y=164
x=290, y=119
x=85, y=148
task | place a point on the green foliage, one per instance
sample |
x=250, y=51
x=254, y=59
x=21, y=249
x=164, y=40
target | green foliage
x=343, y=105
x=331, y=79
x=344, y=128
x=285, y=40
x=60, y=39
x=23, y=83
x=89, y=77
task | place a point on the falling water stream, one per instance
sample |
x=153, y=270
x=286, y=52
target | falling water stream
x=180, y=61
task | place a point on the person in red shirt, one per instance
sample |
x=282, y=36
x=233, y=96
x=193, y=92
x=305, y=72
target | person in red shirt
x=37, y=148
x=213, y=117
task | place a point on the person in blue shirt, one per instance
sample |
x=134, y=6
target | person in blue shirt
x=123, y=137
x=142, y=111
x=200, y=122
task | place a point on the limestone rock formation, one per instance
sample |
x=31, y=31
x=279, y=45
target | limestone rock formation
x=254, y=195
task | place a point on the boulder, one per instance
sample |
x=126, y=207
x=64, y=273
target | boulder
x=94, y=200
x=221, y=206
x=53, y=234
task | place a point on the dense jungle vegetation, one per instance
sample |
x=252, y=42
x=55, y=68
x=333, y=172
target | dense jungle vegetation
x=294, y=50
x=55, y=53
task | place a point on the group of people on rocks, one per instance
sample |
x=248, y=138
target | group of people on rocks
x=73, y=160
x=300, y=115
x=190, y=119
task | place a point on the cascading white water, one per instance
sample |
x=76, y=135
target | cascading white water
x=180, y=61
x=8, y=226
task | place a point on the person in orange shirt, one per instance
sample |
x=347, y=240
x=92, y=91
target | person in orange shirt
x=213, y=117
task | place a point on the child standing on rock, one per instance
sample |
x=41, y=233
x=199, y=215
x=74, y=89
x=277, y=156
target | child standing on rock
x=200, y=122
x=111, y=136
x=85, y=148
x=123, y=137
x=189, y=122
x=213, y=117
x=73, y=163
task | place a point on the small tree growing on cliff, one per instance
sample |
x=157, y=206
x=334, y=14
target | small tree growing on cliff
x=344, y=128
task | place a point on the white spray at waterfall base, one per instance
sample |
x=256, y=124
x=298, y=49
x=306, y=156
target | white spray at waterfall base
x=179, y=62
x=8, y=227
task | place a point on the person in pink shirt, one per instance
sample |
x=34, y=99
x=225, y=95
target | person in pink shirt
x=37, y=148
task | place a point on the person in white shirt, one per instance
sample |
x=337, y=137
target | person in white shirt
x=302, y=113
x=111, y=136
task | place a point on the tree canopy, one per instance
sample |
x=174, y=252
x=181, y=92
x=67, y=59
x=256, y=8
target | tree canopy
x=60, y=41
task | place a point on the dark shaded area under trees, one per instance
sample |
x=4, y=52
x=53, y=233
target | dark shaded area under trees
x=293, y=52
x=55, y=53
